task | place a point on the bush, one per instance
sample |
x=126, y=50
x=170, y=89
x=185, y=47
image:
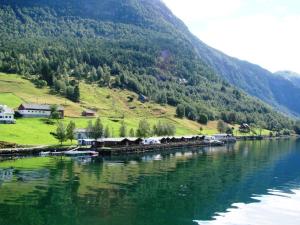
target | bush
x=180, y=111
x=203, y=119
x=222, y=126
x=286, y=132
x=40, y=83
x=144, y=129
x=164, y=129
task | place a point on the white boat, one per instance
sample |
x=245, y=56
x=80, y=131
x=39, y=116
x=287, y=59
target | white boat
x=80, y=153
x=227, y=138
x=151, y=141
x=211, y=140
x=45, y=153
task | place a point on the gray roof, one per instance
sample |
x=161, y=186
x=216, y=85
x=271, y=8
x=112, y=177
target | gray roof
x=89, y=111
x=150, y=138
x=40, y=107
x=117, y=139
x=80, y=130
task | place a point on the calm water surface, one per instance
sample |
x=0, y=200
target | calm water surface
x=247, y=183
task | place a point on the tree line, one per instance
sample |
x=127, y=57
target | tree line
x=97, y=130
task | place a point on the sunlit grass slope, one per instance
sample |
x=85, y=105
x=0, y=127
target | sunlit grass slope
x=112, y=105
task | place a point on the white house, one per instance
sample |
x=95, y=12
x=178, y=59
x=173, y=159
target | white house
x=37, y=110
x=6, y=115
x=81, y=134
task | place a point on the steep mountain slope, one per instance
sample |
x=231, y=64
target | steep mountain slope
x=134, y=44
x=290, y=76
x=253, y=79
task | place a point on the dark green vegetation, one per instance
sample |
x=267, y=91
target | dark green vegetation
x=282, y=93
x=141, y=190
x=131, y=44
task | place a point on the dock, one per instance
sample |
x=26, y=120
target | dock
x=139, y=149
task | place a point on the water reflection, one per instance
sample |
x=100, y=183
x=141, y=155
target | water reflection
x=208, y=185
x=275, y=208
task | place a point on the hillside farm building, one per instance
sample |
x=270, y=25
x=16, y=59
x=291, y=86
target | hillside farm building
x=244, y=128
x=143, y=98
x=37, y=110
x=6, y=115
x=88, y=113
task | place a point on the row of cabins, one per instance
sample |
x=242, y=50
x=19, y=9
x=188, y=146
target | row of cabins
x=130, y=141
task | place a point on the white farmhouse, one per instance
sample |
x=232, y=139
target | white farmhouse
x=6, y=115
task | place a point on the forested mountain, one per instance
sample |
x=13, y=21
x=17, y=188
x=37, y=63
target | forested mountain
x=290, y=76
x=256, y=81
x=134, y=44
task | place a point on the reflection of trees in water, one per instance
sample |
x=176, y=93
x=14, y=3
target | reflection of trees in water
x=28, y=176
x=190, y=185
x=6, y=175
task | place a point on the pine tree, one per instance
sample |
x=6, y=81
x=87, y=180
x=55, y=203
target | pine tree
x=222, y=126
x=70, y=131
x=203, y=119
x=123, y=130
x=107, y=132
x=144, y=129
x=60, y=134
x=54, y=114
x=89, y=129
x=76, y=95
x=97, y=131
x=131, y=133
x=180, y=111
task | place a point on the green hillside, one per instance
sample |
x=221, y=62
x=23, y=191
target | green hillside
x=111, y=106
x=120, y=45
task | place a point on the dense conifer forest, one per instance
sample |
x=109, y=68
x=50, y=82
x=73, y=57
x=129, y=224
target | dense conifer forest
x=127, y=44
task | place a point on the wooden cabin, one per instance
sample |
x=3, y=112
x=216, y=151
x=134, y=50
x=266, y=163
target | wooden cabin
x=117, y=142
x=89, y=113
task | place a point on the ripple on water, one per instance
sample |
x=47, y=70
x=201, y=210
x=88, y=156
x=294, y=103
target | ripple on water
x=276, y=208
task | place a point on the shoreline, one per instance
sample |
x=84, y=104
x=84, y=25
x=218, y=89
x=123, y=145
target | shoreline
x=137, y=149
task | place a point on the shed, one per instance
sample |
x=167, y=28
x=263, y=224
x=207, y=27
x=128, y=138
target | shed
x=88, y=113
x=143, y=98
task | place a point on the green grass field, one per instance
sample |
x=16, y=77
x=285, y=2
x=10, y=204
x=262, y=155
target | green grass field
x=10, y=100
x=34, y=131
x=111, y=105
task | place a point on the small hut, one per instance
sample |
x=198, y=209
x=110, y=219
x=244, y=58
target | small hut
x=88, y=113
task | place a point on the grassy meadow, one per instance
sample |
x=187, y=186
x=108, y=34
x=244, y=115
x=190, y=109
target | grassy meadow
x=112, y=105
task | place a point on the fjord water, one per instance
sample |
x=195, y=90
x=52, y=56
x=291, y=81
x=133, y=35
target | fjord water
x=247, y=183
